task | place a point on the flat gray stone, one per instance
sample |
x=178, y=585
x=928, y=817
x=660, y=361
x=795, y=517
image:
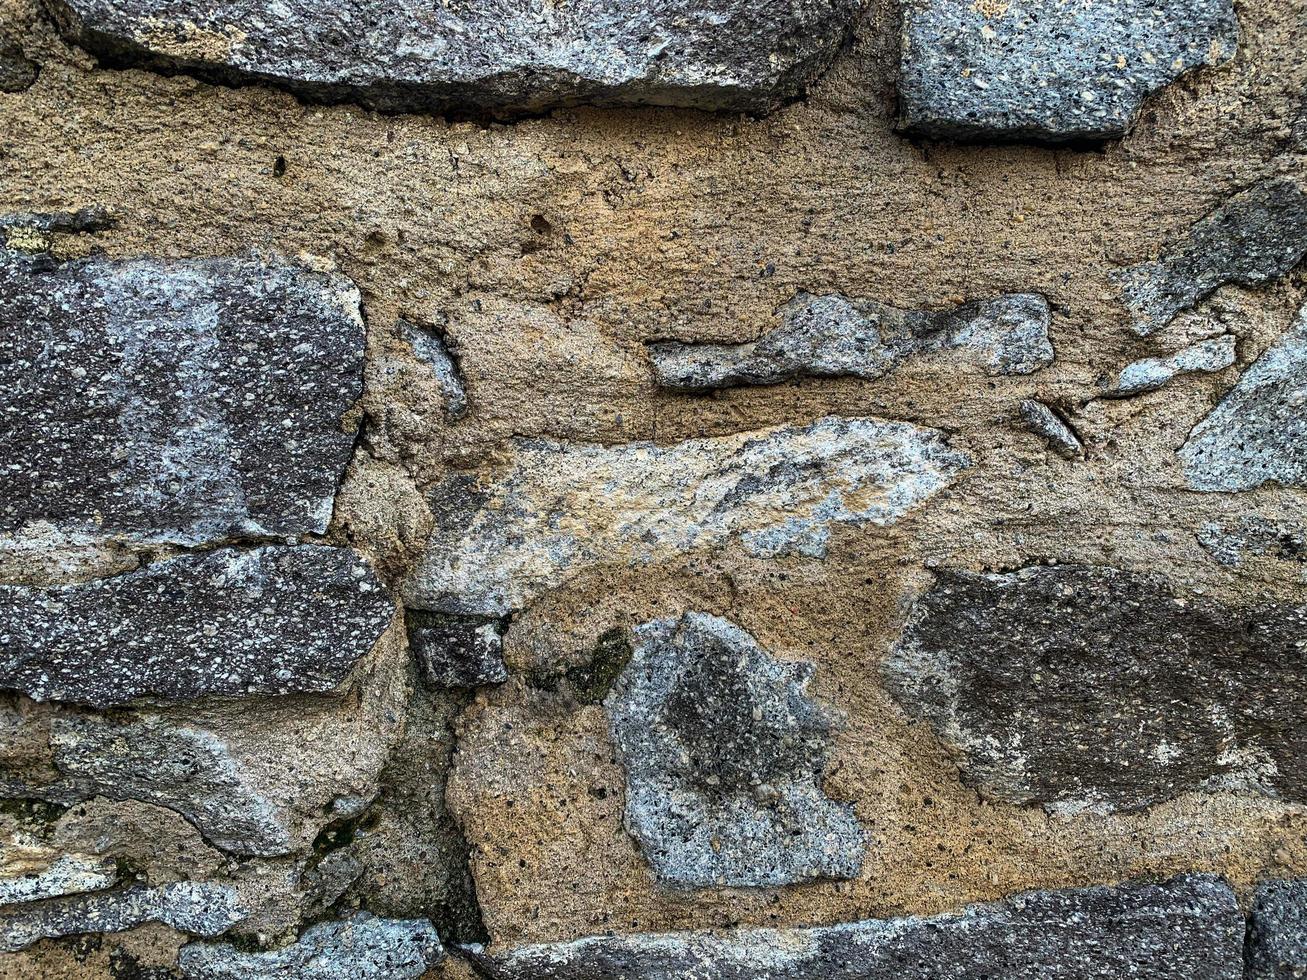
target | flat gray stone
x=429, y=348
x=1277, y=931
x=1082, y=687
x=1258, y=433
x=1188, y=928
x=1151, y=373
x=558, y=509
x=1253, y=238
x=457, y=651
x=32, y=874
x=1031, y=70
x=181, y=402
x=1042, y=420
x=830, y=336
x=271, y=620
x=502, y=56
x=725, y=752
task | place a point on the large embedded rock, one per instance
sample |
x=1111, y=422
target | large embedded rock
x=562, y=508
x=178, y=402
x=1078, y=686
x=725, y=752
x=500, y=57
x=1151, y=373
x=1188, y=928
x=829, y=336
x=1258, y=433
x=1277, y=931
x=1027, y=69
x=272, y=620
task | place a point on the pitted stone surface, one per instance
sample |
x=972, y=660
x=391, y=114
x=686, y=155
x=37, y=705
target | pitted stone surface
x=504, y=56
x=1277, y=931
x=1152, y=373
x=1258, y=433
x=429, y=348
x=272, y=620
x=30, y=872
x=177, y=402
x=457, y=651
x=1028, y=69
x=1052, y=428
x=1188, y=928
x=829, y=336
x=725, y=752
x=561, y=508
x=1086, y=687
x=1250, y=534
x=1253, y=238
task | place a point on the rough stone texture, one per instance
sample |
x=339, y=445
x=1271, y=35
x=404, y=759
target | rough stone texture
x=175, y=402
x=1081, y=687
x=1022, y=69
x=17, y=72
x=457, y=651
x=30, y=872
x=1251, y=535
x=1049, y=425
x=271, y=620
x=1188, y=928
x=830, y=336
x=429, y=348
x=1151, y=373
x=1253, y=238
x=777, y=491
x=1277, y=932
x=1258, y=433
x=724, y=753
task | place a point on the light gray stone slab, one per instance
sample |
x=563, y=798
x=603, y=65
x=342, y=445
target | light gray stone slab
x=31, y=874
x=1151, y=373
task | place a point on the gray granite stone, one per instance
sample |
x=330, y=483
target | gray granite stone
x=457, y=651
x=829, y=336
x=1231, y=543
x=181, y=402
x=1188, y=928
x=271, y=620
x=1151, y=373
x=85, y=220
x=1033, y=70
x=32, y=873
x=725, y=752
x=1083, y=687
x=429, y=347
x=1052, y=428
x=502, y=56
x=1277, y=931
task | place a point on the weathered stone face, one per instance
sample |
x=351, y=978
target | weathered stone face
x=1078, y=687
x=1024, y=69
x=1046, y=423
x=457, y=651
x=1277, y=931
x=829, y=336
x=173, y=402
x=271, y=620
x=1231, y=543
x=31, y=872
x=17, y=72
x=724, y=753
x=1188, y=928
x=429, y=348
x=1151, y=373
x=500, y=57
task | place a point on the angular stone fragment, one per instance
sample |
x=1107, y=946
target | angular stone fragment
x=30, y=872
x=1188, y=928
x=177, y=402
x=1086, y=687
x=457, y=651
x=17, y=71
x=725, y=752
x=1152, y=373
x=501, y=57
x=562, y=508
x=361, y=947
x=1229, y=544
x=1254, y=237
x=829, y=336
x=82, y=221
x=429, y=348
x=1258, y=433
x=1028, y=69
x=1048, y=424
x=272, y=620
x=1277, y=931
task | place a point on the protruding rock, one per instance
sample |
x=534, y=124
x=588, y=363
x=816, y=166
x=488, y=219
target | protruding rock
x=1055, y=430
x=562, y=508
x=429, y=348
x=725, y=752
x=1082, y=687
x=1152, y=373
x=1277, y=931
x=272, y=620
x=828, y=336
x=1027, y=70
x=17, y=71
x=457, y=651
x=30, y=872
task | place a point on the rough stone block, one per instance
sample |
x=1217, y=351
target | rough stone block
x=1277, y=931
x=31, y=872
x=457, y=651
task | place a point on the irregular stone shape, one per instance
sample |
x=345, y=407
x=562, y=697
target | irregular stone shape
x=1254, y=237
x=1277, y=931
x=457, y=651
x=272, y=620
x=1188, y=928
x=197, y=908
x=1152, y=373
x=561, y=508
x=829, y=336
x=501, y=57
x=1028, y=70
x=17, y=71
x=1258, y=433
x=362, y=947
x=1083, y=687
x=1253, y=535
x=725, y=752
x=82, y=221
x=1050, y=426
x=177, y=402
x=30, y=872
x=429, y=348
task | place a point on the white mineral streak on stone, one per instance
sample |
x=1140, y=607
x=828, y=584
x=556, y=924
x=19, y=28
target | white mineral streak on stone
x=31, y=871
x=1152, y=373
x=1045, y=422
x=561, y=508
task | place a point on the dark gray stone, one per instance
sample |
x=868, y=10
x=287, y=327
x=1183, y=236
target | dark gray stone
x=1188, y=928
x=1250, y=534
x=271, y=620
x=501, y=56
x=829, y=336
x=1277, y=931
x=17, y=71
x=1052, y=428
x=1151, y=373
x=177, y=402
x=82, y=221
x=1254, y=237
x=457, y=651
x=1084, y=687
x=429, y=348
x=725, y=752
x=31, y=875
